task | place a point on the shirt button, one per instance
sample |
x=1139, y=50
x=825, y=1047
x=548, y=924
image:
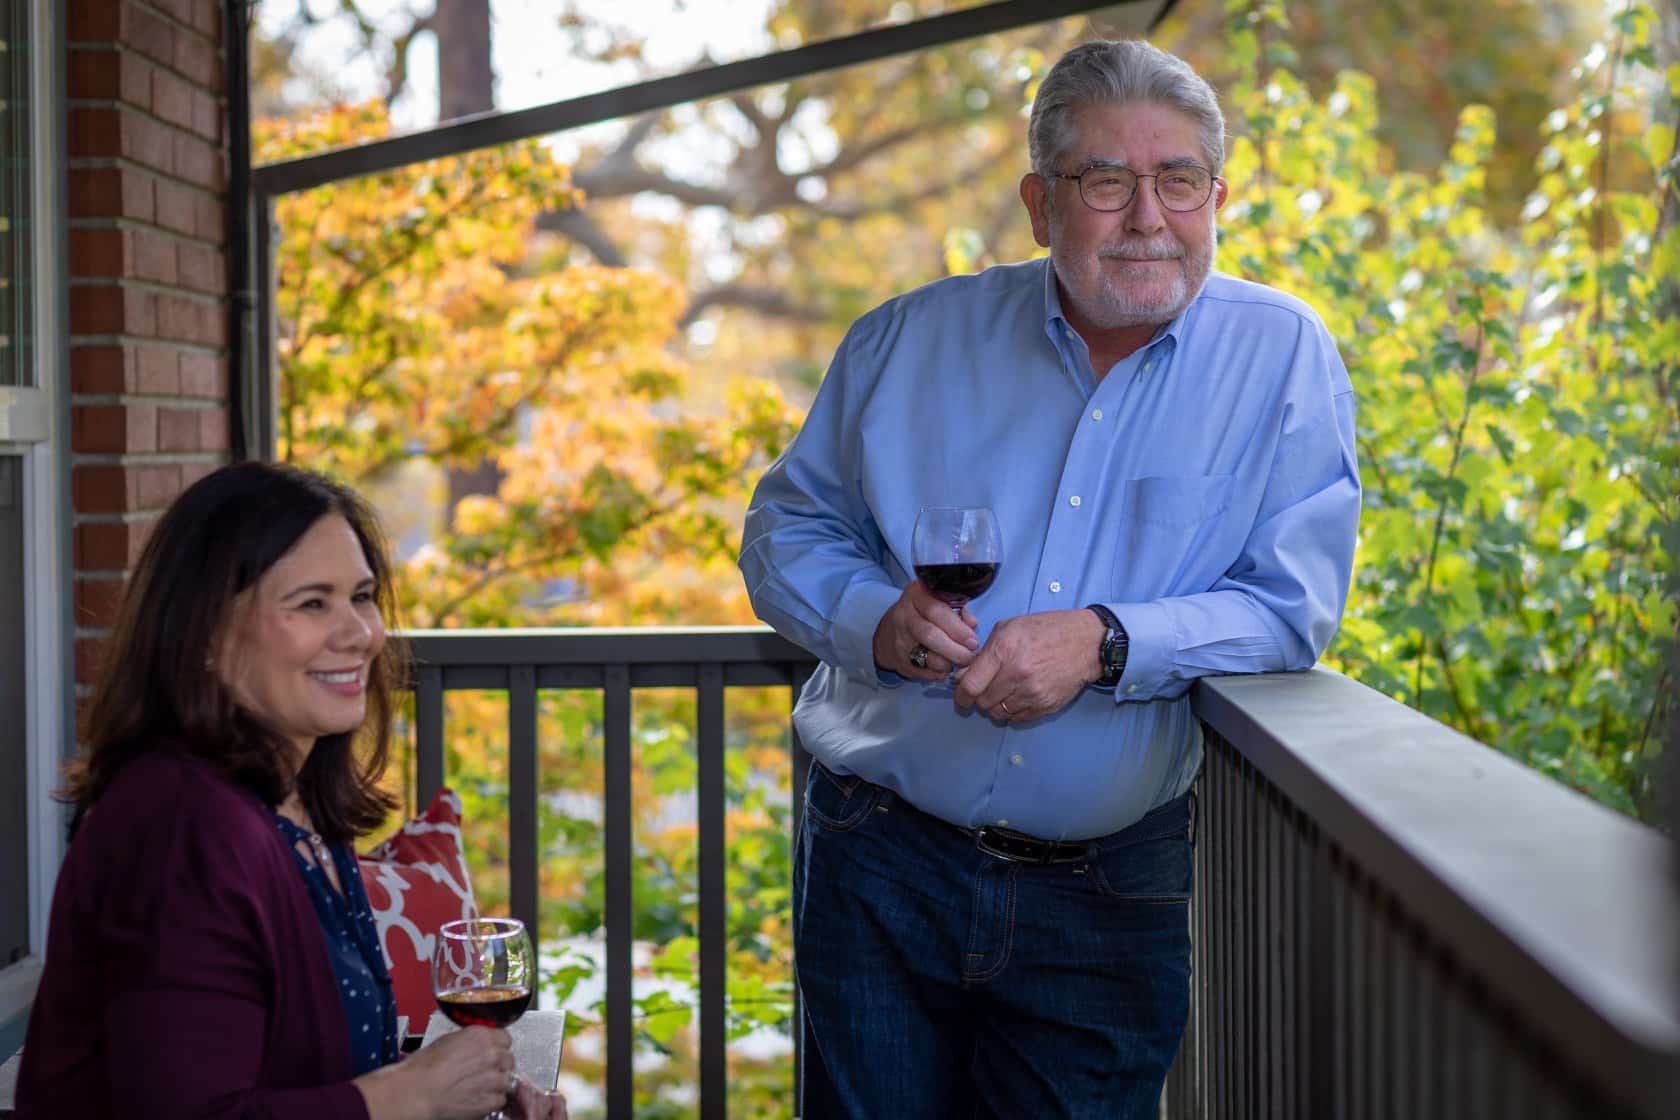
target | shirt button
x=1014, y=760
x=1003, y=822
x=1055, y=585
x=1131, y=688
x=1074, y=501
x=1096, y=414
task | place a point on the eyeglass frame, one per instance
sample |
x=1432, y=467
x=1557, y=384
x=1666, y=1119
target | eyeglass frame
x=1138, y=177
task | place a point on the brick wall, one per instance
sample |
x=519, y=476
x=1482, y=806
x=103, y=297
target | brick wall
x=148, y=281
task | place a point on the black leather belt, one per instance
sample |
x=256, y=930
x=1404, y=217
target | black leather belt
x=1018, y=847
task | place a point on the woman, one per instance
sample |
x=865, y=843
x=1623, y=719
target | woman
x=211, y=952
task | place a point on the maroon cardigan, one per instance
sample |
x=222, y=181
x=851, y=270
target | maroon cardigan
x=186, y=971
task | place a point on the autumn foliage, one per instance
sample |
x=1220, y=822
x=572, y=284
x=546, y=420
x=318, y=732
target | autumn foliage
x=1519, y=435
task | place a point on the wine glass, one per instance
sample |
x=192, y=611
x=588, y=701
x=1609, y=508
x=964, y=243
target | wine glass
x=484, y=971
x=956, y=551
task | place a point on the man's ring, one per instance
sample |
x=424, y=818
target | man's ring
x=918, y=657
x=1004, y=704
x=513, y=1084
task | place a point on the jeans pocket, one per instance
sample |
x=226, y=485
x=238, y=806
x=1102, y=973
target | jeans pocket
x=1156, y=868
x=839, y=802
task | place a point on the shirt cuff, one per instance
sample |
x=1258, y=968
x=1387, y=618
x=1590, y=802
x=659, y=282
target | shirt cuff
x=854, y=627
x=1151, y=652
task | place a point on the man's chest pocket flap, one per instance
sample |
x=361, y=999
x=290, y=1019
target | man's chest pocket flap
x=1177, y=500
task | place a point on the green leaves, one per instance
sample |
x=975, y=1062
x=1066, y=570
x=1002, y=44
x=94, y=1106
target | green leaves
x=1517, y=420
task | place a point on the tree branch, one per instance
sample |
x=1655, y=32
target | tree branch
x=577, y=225
x=396, y=74
x=766, y=301
x=608, y=180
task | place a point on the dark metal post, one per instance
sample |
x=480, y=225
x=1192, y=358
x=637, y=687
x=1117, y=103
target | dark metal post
x=428, y=737
x=620, y=915
x=523, y=855
x=236, y=23
x=714, y=897
x=260, y=405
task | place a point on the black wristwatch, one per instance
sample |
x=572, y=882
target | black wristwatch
x=1115, y=645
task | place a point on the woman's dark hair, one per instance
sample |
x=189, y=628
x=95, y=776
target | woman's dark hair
x=158, y=687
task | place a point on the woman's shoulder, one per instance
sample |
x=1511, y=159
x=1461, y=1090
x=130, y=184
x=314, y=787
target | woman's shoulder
x=165, y=798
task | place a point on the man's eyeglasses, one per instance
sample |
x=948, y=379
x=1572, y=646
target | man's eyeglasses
x=1109, y=187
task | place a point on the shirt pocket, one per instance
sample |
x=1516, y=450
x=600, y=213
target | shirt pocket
x=1168, y=524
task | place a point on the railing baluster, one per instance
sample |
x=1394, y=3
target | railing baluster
x=1317, y=963
x=1402, y=971
x=1341, y=1040
x=428, y=733
x=1227, y=932
x=523, y=855
x=617, y=764
x=714, y=896
x=1248, y=1101
x=1278, y=933
x=799, y=768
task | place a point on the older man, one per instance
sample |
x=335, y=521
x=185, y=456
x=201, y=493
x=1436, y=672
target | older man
x=992, y=878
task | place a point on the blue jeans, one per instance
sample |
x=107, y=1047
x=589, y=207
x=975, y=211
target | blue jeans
x=940, y=981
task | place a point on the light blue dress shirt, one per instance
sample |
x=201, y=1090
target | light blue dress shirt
x=1205, y=489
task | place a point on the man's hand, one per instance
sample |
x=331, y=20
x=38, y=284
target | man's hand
x=918, y=620
x=1033, y=664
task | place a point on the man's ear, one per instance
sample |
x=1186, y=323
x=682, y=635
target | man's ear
x=1035, y=194
x=1220, y=189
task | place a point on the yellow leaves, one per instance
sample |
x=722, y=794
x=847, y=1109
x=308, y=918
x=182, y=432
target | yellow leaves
x=478, y=514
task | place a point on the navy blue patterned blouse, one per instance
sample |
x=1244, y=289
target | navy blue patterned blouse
x=364, y=983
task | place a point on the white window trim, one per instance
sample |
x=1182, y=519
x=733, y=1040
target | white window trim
x=33, y=430
x=49, y=737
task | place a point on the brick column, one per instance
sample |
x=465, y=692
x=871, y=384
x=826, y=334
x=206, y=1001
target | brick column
x=148, y=281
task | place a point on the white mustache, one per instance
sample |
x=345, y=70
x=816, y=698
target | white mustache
x=1148, y=250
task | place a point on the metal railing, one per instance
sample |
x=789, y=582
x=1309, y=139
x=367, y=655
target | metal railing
x=1392, y=920
x=1389, y=919
x=614, y=663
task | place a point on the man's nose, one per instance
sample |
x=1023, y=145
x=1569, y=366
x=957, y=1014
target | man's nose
x=1144, y=213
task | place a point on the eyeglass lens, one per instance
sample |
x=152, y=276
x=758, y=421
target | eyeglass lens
x=1178, y=188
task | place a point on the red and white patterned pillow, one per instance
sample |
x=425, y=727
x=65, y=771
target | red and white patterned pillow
x=415, y=881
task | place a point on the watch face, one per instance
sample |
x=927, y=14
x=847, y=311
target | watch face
x=1111, y=649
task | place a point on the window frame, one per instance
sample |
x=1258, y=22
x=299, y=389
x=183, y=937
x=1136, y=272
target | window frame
x=34, y=427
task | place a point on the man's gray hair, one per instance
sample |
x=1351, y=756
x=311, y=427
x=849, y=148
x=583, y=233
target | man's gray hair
x=1119, y=71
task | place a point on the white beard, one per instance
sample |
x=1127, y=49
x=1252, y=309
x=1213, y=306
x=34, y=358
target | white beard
x=1115, y=304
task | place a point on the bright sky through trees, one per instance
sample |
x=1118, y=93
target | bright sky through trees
x=534, y=60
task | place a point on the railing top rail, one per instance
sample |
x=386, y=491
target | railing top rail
x=602, y=645
x=1566, y=908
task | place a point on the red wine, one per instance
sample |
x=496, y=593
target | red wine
x=956, y=583
x=495, y=1006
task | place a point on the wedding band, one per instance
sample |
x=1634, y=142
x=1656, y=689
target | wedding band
x=513, y=1084
x=1004, y=704
x=918, y=657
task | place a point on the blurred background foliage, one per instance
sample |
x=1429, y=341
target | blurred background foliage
x=560, y=366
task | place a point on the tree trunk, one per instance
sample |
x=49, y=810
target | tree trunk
x=466, y=79
x=466, y=85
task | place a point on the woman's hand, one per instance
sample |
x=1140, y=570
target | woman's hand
x=461, y=1076
x=530, y=1104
